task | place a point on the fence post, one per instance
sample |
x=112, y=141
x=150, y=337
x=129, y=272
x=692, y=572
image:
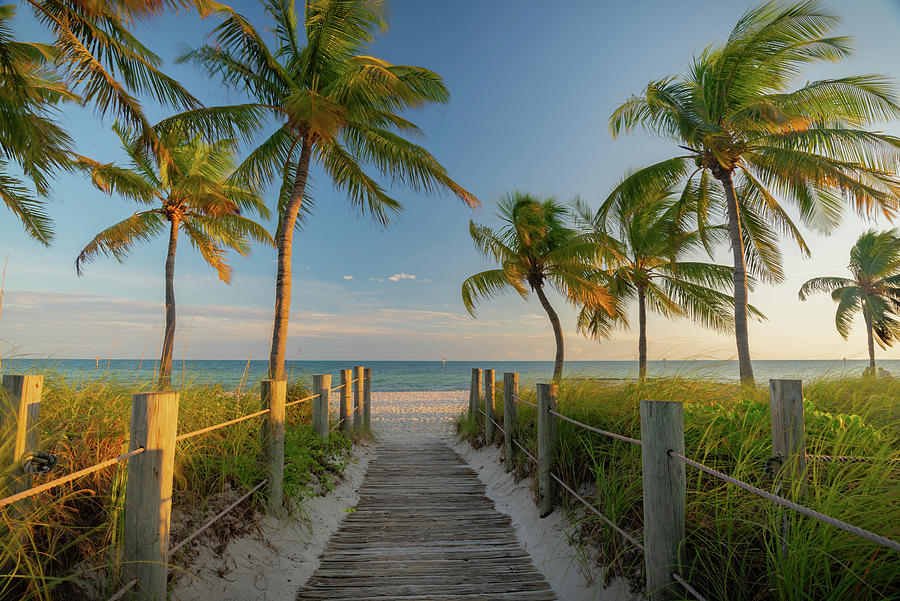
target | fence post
x=475, y=392
x=662, y=429
x=510, y=416
x=488, y=406
x=357, y=397
x=344, y=414
x=148, y=495
x=273, y=393
x=546, y=446
x=322, y=388
x=21, y=397
x=367, y=399
x=788, y=432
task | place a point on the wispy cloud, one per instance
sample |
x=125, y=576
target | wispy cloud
x=401, y=276
x=348, y=277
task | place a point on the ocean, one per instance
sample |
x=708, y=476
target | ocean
x=429, y=375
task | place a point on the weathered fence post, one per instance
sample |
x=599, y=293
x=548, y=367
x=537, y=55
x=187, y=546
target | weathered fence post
x=788, y=432
x=475, y=392
x=662, y=430
x=148, y=495
x=321, y=388
x=488, y=406
x=21, y=398
x=510, y=417
x=546, y=446
x=273, y=393
x=357, y=397
x=344, y=414
x=367, y=399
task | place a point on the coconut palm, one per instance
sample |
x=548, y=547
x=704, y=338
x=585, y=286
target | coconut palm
x=734, y=114
x=192, y=189
x=30, y=90
x=536, y=248
x=873, y=290
x=332, y=103
x=651, y=266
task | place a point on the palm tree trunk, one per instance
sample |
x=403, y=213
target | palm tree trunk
x=557, y=332
x=284, y=239
x=165, y=361
x=869, y=337
x=740, y=283
x=642, y=331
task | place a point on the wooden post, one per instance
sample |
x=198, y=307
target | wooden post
x=788, y=432
x=662, y=429
x=344, y=414
x=148, y=495
x=546, y=446
x=273, y=393
x=322, y=388
x=367, y=399
x=21, y=401
x=357, y=397
x=510, y=417
x=488, y=406
x=475, y=392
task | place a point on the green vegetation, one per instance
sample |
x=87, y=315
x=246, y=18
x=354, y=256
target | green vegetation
x=873, y=291
x=732, y=549
x=70, y=540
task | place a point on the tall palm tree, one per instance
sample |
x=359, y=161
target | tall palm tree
x=536, y=248
x=734, y=114
x=651, y=266
x=193, y=190
x=30, y=90
x=873, y=290
x=332, y=103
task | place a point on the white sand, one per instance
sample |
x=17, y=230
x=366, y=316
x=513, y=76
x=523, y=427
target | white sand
x=273, y=562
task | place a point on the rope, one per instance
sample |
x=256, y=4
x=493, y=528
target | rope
x=338, y=388
x=523, y=401
x=213, y=519
x=524, y=450
x=848, y=459
x=73, y=476
x=121, y=592
x=339, y=422
x=688, y=587
x=498, y=426
x=875, y=538
x=309, y=398
x=597, y=430
x=480, y=411
x=596, y=512
x=187, y=435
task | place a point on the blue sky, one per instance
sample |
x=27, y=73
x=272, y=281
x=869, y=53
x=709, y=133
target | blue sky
x=532, y=86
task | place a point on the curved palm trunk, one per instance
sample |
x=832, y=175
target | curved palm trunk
x=165, y=361
x=869, y=337
x=642, y=331
x=284, y=238
x=557, y=332
x=740, y=283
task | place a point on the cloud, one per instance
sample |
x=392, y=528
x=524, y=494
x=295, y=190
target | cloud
x=348, y=277
x=401, y=276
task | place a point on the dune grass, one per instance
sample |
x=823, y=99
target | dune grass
x=733, y=550
x=67, y=545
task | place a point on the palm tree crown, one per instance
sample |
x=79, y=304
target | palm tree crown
x=734, y=114
x=536, y=247
x=873, y=289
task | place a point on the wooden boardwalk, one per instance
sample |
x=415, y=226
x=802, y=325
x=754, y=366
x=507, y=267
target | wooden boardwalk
x=424, y=530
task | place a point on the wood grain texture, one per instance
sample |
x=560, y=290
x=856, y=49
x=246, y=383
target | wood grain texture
x=510, y=417
x=273, y=394
x=344, y=415
x=424, y=529
x=322, y=388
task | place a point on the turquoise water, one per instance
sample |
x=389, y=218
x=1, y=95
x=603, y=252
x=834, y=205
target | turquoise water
x=432, y=375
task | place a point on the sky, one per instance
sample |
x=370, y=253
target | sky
x=532, y=86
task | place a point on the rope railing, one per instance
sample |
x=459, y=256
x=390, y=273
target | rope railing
x=215, y=518
x=524, y=450
x=73, y=476
x=827, y=519
x=597, y=512
x=593, y=429
x=498, y=426
x=121, y=592
x=303, y=400
x=850, y=459
x=677, y=577
x=187, y=435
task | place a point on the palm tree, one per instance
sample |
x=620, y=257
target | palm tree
x=535, y=248
x=192, y=190
x=29, y=135
x=332, y=103
x=735, y=116
x=650, y=266
x=873, y=290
